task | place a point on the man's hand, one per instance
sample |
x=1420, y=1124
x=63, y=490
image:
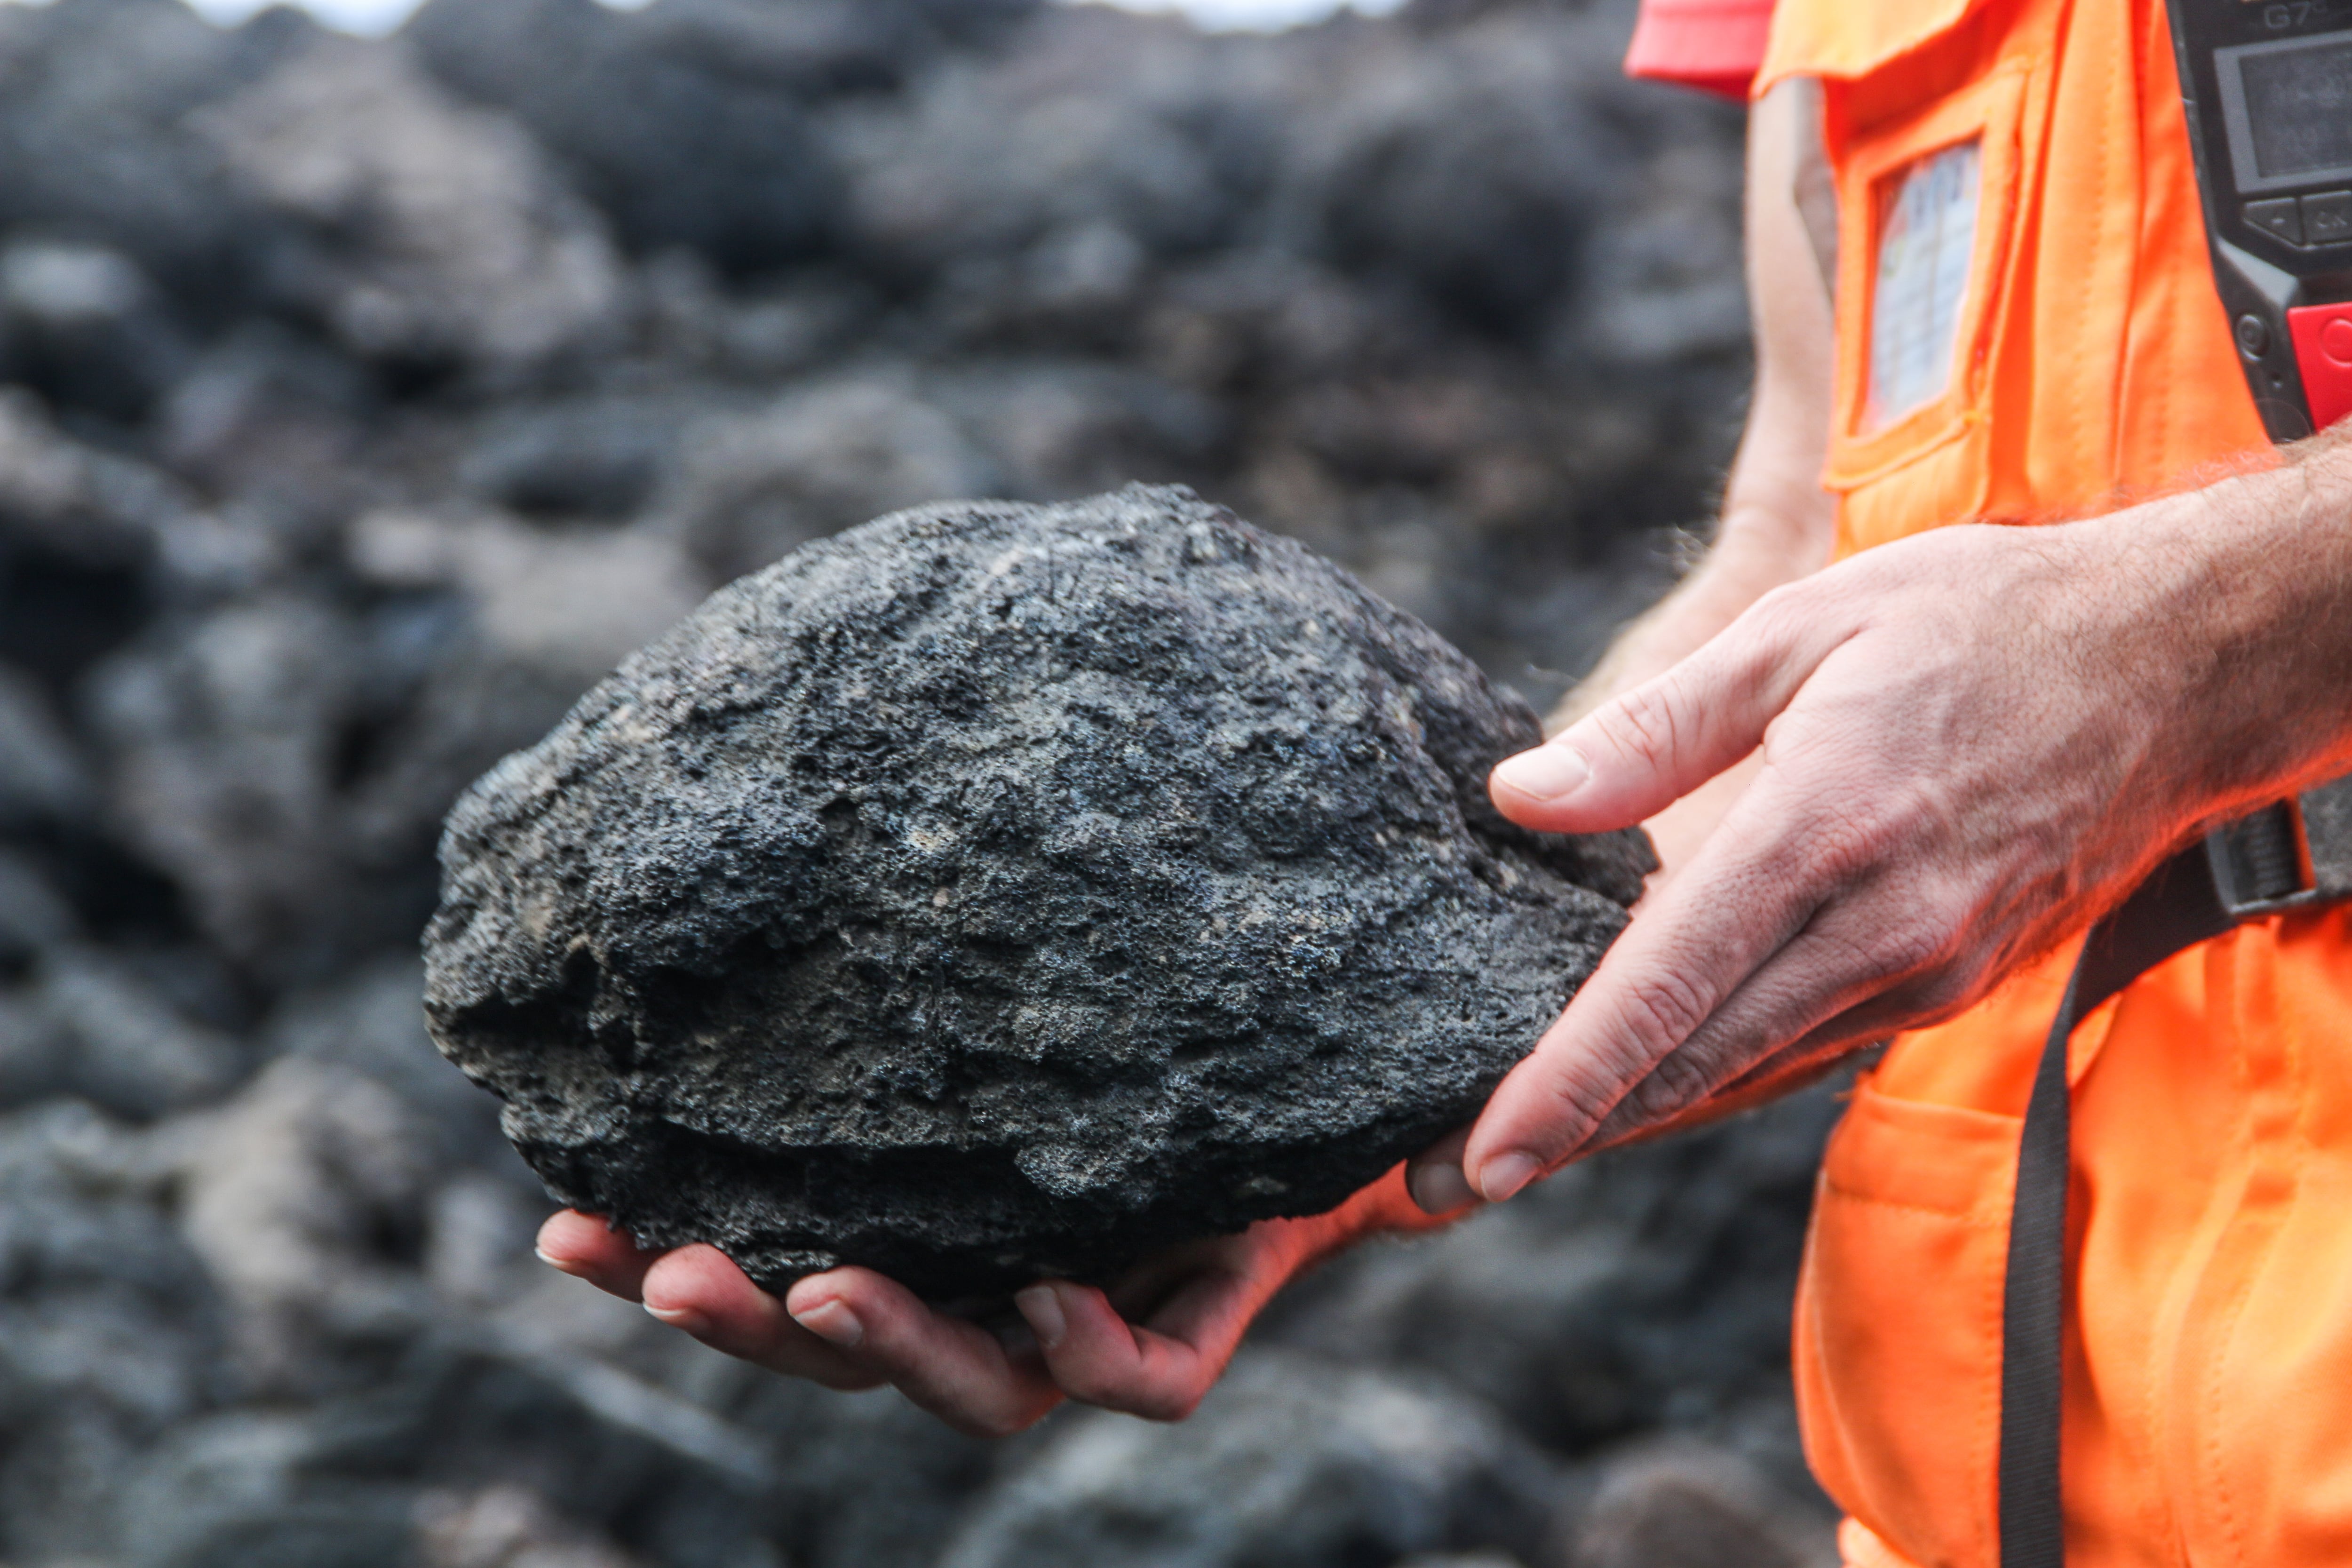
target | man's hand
x=1152, y=1346
x=1972, y=742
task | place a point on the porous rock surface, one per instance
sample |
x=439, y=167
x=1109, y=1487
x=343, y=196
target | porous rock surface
x=998, y=891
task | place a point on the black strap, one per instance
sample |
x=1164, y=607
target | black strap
x=2175, y=909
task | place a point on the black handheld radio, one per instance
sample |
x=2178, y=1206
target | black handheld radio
x=2268, y=87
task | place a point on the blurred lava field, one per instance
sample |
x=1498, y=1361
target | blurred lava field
x=362, y=403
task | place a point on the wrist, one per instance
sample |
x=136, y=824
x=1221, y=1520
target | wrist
x=2227, y=612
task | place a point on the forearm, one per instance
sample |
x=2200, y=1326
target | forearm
x=2248, y=584
x=1776, y=522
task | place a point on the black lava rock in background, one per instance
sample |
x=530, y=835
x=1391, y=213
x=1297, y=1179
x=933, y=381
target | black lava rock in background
x=998, y=891
x=1401, y=1470
x=362, y=404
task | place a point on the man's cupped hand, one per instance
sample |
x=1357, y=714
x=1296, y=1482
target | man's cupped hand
x=1151, y=1345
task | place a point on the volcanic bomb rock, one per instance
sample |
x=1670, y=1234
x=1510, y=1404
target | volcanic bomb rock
x=999, y=890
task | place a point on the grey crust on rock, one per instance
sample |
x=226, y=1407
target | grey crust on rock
x=996, y=891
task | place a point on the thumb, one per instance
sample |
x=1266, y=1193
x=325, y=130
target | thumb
x=1635, y=755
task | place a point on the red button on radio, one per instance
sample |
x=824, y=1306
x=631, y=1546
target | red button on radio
x=2323, y=348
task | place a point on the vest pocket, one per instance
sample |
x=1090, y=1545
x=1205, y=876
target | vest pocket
x=1927, y=208
x=1898, y=1323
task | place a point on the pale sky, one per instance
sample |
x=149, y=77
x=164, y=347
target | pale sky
x=374, y=17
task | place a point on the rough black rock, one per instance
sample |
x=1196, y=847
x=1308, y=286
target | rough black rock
x=996, y=890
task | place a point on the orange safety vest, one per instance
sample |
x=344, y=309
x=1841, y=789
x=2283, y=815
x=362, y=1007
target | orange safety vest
x=2209, y=1349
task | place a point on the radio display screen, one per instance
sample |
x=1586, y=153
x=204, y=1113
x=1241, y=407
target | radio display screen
x=2288, y=106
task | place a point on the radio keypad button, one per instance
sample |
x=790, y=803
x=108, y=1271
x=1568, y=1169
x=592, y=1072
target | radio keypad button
x=2335, y=343
x=2327, y=218
x=2280, y=217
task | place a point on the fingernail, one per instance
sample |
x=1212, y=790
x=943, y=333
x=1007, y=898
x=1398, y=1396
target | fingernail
x=1506, y=1174
x=681, y=1318
x=832, y=1322
x=1548, y=772
x=561, y=1265
x=1043, y=1307
x=1438, y=1189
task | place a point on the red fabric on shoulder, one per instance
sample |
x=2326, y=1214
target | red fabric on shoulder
x=1714, y=46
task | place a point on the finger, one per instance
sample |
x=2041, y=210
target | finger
x=1150, y=1285
x=586, y=1246
x=1726, y=1060
x=699, y=1291
x=1634, y=756
x=1802, y=1064
x=956, y=1370
x=1159, y=1371
x=1664, y=978
x=1787, y=1074
x=1836, y=985
x=1435, y=1179
x=1793, y=1067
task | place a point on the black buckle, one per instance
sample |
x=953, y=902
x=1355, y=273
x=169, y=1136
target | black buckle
x=2293, y=854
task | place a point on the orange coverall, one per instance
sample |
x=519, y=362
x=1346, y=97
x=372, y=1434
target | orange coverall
x=2209, y=1346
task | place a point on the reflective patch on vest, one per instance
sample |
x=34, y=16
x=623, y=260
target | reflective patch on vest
x=1927, y=241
